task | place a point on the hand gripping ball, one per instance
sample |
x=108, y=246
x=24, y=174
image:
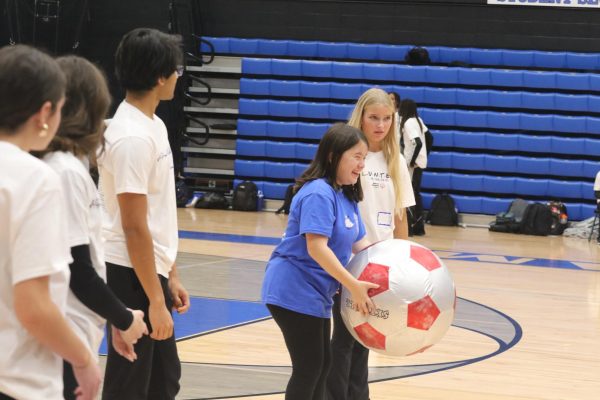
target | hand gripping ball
x=415, y=301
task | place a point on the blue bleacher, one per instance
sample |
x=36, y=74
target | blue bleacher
x=527, y=111
x=395, y=53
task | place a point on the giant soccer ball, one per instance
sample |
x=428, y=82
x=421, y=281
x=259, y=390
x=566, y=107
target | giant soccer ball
x=415, y=301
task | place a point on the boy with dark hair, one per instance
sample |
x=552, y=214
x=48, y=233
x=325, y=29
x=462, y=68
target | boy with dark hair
x=140, y=227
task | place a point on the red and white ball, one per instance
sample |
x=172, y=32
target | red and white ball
x=415, y=301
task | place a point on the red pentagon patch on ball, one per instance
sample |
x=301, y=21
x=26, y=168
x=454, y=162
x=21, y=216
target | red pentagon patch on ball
x=376, y=273
x=370, y=336
x=422, y=313
x=425, y=257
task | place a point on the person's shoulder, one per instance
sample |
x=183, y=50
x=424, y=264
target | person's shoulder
x=38, y=172
x=411, y=122
x=317, y=187
x=67, y=166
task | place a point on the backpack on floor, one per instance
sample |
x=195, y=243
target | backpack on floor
x=443, y=211
x=245, y=197
x=182, y=193
x=287, y=201
x=537, y=220
x=212, y=200
x=560, y=217
x=417, y=56
x=509, y=221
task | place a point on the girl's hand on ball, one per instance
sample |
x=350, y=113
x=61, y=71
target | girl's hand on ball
x=360, y=296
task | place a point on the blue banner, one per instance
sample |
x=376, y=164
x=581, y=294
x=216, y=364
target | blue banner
x=548, y=3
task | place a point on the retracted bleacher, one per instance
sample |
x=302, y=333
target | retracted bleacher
x=512, y=123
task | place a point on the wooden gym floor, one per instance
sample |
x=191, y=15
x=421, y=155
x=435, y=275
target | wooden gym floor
x=527, y=323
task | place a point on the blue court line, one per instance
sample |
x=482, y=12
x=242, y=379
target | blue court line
x=456, y=255
x=209, y=315
x=225, y=237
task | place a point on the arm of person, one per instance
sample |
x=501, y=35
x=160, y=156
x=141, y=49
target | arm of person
x=181, y=298
x=93, y=292
x=415, y=154
x=134, y=211
x=360, y=245
x=324, y=256
x=39, y=315
x=401, y=225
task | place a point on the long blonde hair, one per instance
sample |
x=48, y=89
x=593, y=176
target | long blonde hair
x=389, y=145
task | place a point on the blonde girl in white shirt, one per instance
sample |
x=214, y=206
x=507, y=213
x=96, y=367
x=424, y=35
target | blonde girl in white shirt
x=387, y=193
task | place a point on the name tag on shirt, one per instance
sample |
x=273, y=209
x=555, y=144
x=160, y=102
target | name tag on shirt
x=384, y=218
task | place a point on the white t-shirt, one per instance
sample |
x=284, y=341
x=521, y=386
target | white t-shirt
x=378, y=206
x=84, y=218
x=33, y=244
x=410, y=132
x=137, y=159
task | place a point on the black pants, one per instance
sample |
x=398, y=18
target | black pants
x=69, y=381
x=307, y=340
x=349, y=375
x=416, y=224
x=5, y=397
x=156, y=372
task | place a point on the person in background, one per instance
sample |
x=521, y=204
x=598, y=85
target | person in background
x=395, y=97
x=307, y=267
x=412, y=129
x=90, y=302
x=34, y=250
x=387, y=190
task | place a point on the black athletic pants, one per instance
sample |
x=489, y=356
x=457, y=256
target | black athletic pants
x=156, y=372
x=418, y=224
x=307, y=340
x=349, y=375
x=69, y=381
x=5, y=397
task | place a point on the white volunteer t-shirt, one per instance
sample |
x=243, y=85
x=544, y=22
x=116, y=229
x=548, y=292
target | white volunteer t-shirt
x=137, y=159
x=33, y=243
x=410, y=132
x=84, y=218
x=378, y=206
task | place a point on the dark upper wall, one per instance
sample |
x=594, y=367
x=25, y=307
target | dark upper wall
x=469, y=23
x=104, y=23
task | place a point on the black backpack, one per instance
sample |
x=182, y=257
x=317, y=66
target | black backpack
x=213, y=200
x=443, y=211
x=287, y=201
x=182, y=193
x=510, y=221
x=245, y=197
x=537, y=220
x=560, y=217
x=417, y=56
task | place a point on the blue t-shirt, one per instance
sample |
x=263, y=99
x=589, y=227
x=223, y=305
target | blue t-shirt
x=293, y=280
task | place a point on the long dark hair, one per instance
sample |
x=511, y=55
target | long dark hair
x=28, y=79
x=337, y=140
x=81, y=129
x=408, y=110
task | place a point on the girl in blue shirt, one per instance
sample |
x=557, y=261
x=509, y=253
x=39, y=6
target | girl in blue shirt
x=307, y=267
